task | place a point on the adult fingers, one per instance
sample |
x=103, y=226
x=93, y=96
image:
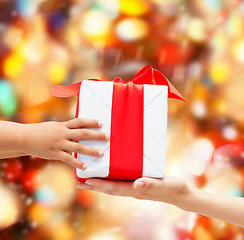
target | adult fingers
x=120, y=188
x=83, y=122
x=83, y=185
x=146, y=183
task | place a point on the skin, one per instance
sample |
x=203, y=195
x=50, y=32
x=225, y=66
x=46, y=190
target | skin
x=50, y=140
x=174, y=191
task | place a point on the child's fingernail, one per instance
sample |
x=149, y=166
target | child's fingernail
x=84, y=166
x=106, y=137
x=79, y=186
x=100, y=123
x=101, y=153
x=139, y=185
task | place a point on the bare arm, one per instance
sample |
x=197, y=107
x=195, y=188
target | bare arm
x=174, y=191
x=226, y=208
x=11, y=139
x=11, y=154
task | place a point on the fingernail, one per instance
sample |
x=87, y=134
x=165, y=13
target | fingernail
x=88, y=183
x=100, y=123
x=78, y=186
x=139, y=185
x=101, y=153
x=106, y=137
x=84, y=166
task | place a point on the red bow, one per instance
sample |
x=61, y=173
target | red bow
x=146, y=75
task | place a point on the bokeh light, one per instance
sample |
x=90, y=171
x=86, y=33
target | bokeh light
x=198, y=45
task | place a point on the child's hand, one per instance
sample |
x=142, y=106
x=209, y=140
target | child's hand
x=169, y=189
x=55, y=140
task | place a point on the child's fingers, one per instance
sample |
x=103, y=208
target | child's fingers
x=85, y=134
x=80, y=148
x=67, y=158
x=83, y=122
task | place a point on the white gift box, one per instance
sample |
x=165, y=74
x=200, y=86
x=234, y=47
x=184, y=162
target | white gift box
x=136, y=112
x=95, y=102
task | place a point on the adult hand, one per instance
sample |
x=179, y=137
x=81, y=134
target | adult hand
x=169, y=189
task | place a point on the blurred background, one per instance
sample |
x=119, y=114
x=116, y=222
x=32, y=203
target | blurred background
x=197, y=44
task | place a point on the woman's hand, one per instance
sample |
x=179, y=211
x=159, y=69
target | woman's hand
x=174, y=191
x=169, y=189
x=57, y=140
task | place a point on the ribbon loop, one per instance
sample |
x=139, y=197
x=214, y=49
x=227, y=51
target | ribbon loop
x=66, y=90
x=146, y=75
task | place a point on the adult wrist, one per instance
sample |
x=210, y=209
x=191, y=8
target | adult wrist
x=187, y=199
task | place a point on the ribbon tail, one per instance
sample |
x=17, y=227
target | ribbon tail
x=160, y=79
x=66, y=90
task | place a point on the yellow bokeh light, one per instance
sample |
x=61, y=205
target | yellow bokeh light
x=132, y=29
x=219, y=106
x=134, y=8
x=219, y=40
x=8, y=213
x=196, y=29
x=13, y=65
x=57, y=72
x=219, y=72
x=235, y=25
x=63, y=232
x=238, y=50
x=9, y=207
x=40, y=214
x=95, y=24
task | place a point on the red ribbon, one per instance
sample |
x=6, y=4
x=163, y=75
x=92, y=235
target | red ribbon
x=147, y=75
x=126, y=140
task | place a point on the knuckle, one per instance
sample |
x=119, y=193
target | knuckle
x=80, y=120
x=66, y=158
x=61, y=130
x=110, y=189
x=149, y=184
x=102, y=136
x=94, y=152
x=84, y=133
x=57, y=145
x=79, y=148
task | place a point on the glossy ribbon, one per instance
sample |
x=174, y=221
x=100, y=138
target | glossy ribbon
x=147, y=75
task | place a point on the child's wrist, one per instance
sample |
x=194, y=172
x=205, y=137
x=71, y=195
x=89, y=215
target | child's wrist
x=23, y=138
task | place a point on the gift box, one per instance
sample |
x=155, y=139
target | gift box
x=134, y=114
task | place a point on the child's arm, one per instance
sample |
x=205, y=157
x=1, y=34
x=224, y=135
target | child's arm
x=174, y=191
x=50, y=140
x=11, y=154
